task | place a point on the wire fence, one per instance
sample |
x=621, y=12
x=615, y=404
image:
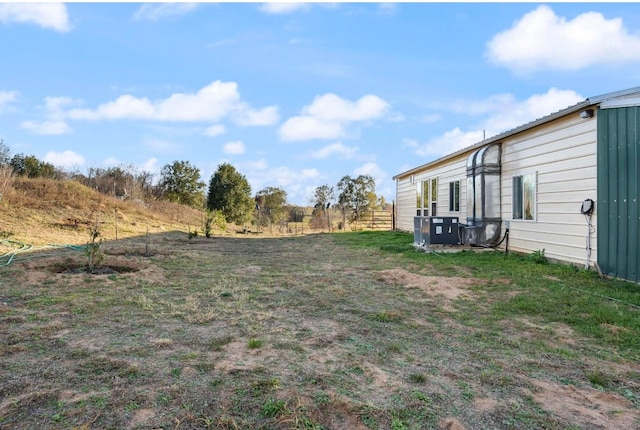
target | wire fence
x=378, y=220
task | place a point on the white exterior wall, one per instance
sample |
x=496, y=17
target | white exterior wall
x=452, y=170
x=563, y=154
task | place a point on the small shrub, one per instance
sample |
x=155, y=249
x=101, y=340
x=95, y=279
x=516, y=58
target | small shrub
x=418, y=378
x=538, y=257
x=598, y=379
x=273, y=407
x=386, y=316
x=254, y=343
x=94, y=254
x=212, y=218
x=397, y=424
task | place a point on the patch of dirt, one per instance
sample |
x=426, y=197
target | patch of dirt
x=140, y=416
x=448, y=287
x=41, y=269
x=586, y=406
x=485, y=404
x=238, y=356
x=524, y=328
x=450, y=424
x=344, y=415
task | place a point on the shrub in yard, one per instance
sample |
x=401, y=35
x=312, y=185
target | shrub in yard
x=538, y=257
x=94, y=254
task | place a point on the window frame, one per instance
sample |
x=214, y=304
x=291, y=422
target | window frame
x=524, y=190
x=427, y=196
x=454, y=196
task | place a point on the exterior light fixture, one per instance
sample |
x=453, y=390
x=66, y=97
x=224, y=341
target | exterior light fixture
x=587, y=113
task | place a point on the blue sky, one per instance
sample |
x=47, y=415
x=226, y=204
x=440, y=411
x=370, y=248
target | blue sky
x=297, y=95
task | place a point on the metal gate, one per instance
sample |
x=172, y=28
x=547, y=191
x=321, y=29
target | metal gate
x=618, y=187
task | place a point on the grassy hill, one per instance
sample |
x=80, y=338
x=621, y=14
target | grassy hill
x=45, y=211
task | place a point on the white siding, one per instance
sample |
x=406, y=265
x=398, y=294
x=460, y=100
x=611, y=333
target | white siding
x=563, y=154
x=452, y=170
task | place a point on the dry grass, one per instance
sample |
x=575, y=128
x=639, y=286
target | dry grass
x=282, y=333
x=45, y=211
x=287, y=333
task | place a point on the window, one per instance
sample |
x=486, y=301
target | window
x=454, y=196
x=524, y=197
x=426, y=197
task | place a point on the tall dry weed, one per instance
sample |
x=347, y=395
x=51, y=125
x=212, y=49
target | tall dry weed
x=7, y=179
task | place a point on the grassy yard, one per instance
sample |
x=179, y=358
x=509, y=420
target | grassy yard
x=329, y=331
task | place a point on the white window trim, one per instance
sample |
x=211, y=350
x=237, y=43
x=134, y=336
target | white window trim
x=420, y=182
x=535, y=202
x=459, y=181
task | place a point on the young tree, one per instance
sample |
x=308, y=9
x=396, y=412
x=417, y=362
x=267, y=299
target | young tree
x=180, y=182
x=271, y=202
x=230, y=193
x=323, y=197
x=5, y=153
x=355, y=194
x=7, y=176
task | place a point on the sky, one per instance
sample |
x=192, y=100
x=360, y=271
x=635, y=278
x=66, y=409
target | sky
x=296, y=95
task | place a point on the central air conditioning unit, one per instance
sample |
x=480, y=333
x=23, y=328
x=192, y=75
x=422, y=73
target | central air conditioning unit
x=470, y=235
x=486, y=234
x=432, y=230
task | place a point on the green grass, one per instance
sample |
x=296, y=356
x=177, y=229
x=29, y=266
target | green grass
x=605, y=310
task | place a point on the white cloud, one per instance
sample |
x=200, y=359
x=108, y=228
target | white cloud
x=430, y=118
x=298, y=183
x=338, y=149
x=64, y=159
x=6, y=99
x=47, y=127
x=542, y=40
x=215, y=130
x=330, y=107
x=372, y=169
x=387, y=8
x=162, y=146
x=47, y=15
x=501, y=113
x=151, y=165
x=211, y=103
x=249, y=117
x=328, y=116
x=449, y=142
x=514, y=113
x=54, y=106
x=235, y=148
x=283, y=8
x=155, y=12
x=255, y=165
x=307, y=128
x=309, y=174
x=111, y=161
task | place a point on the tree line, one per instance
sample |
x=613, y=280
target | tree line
x=228, y=197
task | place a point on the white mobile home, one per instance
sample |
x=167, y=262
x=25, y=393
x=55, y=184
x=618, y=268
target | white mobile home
x=567, y=183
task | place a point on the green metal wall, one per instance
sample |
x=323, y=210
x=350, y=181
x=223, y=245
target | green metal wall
x=618, y=187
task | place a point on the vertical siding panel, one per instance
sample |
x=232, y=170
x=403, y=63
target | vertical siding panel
x=612, y=182
x=603, y=206
x=622, y=193
x=633, y=162
x=618, y=187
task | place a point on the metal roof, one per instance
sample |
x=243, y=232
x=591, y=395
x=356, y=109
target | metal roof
x=591, y=101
